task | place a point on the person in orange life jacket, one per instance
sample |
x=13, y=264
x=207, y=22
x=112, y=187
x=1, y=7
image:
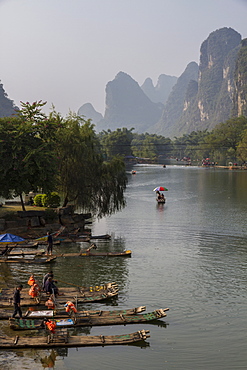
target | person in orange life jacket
x=17, y=301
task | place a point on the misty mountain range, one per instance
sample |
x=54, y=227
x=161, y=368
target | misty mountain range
x=201, y=97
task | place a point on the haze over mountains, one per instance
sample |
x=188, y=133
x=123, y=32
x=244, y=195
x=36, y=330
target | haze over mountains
x=201, y=97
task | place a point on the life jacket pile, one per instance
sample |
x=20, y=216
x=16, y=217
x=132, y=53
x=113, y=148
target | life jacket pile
x=51, y=325
x=50, y=304
x=69, y=306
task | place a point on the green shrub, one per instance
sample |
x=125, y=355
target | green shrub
x=51, y=200
x=37, y=200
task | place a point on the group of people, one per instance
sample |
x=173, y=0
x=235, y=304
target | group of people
x=160, y=196
x=48, y=286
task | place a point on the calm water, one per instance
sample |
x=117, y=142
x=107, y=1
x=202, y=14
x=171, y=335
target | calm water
x=189, y=255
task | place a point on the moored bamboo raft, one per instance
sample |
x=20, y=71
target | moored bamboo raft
x=39, y=252
x=86, y=320
x=73, y=294
x=63, y=339
x=96, y=254
x=16, y=259
x=61, y=313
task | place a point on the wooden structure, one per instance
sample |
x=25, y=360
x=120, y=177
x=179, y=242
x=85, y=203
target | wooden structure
x=88, y=320
x=61, y=313
x=96, y=254
x=63, y=339
x=15, y=259
x=73, y=294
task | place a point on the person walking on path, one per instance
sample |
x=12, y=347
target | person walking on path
x=49, y=243
x=17, y=301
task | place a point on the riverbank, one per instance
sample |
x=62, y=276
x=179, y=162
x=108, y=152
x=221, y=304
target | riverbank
x=35, y=222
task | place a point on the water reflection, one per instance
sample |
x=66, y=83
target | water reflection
x=49, y=361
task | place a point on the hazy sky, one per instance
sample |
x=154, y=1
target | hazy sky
x=65, y=51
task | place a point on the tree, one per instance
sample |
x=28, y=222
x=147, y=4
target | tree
x=54, y=153
x=84, y=178
x=225, y=137
x=27, y=156
x=150, y=146
x=242, y=147
x=116, y=142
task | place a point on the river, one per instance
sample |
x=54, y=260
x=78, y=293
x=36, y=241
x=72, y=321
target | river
x=189, y=254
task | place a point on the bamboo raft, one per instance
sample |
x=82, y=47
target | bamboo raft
x=82, y=238
x=73, y=294
x=29, y=244
x=63, y=339
x=62, y=314
x=96, y=254
x=9, y=257
x=86, y=320
x=35, y=260
x=39, y=252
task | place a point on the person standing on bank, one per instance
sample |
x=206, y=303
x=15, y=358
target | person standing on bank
x=49, y=243
x=17, y=301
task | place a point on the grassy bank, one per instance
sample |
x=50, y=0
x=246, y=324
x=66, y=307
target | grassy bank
x=8, y=210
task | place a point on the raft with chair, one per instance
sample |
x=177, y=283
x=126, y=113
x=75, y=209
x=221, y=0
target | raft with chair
x=62, y=338
x=78, y=320
x=61, y=313
x=73, y=294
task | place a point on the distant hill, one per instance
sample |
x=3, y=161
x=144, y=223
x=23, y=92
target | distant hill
x=160, y=92
x=128, y=106
x=240, y=79
x=87, y=111
x=7, y=106
x=209, y=101
x=186, y=86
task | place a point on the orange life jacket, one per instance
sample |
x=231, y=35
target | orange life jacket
x=33, y=291
x=51, y=325
x=31, y=281
x=70, y=306
x=50, y=304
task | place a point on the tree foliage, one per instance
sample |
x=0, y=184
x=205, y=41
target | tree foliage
x=83, y=177
x=53, y=153
x=150, y=146
x=28, y=161
x=116, y=142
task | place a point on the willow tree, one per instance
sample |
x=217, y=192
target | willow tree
x=85, y=180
